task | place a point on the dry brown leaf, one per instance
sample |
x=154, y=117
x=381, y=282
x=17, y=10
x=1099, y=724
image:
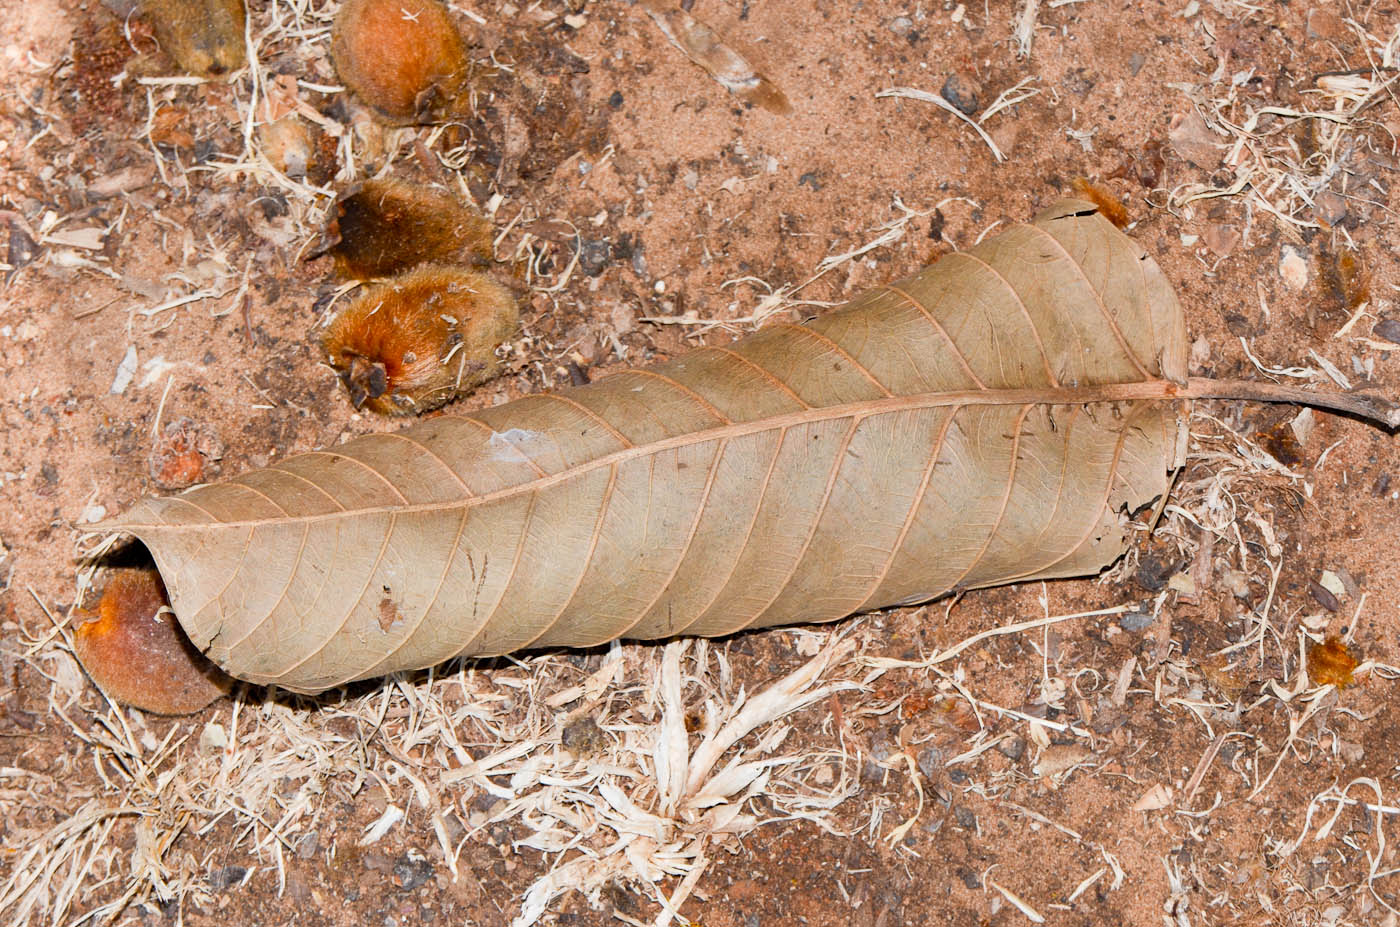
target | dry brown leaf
x=991, y=419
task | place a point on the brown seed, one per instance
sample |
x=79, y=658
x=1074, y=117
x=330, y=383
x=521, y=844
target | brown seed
x=421, y=339
x=403, y=58
x=136, y=652
x=202, y=37
x=1389, y=329
x=383, y=227
x=1323, y=596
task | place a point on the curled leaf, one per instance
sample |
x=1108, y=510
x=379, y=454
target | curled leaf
x=995, y=418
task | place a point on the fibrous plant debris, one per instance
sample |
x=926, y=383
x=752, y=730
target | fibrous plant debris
x=704, y=46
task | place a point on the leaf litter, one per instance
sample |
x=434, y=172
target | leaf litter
x=241, y=775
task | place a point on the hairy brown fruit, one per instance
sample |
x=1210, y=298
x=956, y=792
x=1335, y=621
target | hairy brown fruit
x=404, y=58
x=139, y=655
x=383, y=227
x=202, y=37
x=420, y=340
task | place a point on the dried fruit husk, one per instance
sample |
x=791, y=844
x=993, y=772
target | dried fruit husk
x=403, y=58
x=384, y=227
x=420, y=340
x=136, y=652
x=203, y=37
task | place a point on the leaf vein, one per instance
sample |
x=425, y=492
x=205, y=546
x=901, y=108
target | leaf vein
x=958, y=355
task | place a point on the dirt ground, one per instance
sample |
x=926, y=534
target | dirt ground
x=1167, y=763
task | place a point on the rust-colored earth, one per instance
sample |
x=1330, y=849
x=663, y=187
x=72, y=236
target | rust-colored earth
x=1169, y=764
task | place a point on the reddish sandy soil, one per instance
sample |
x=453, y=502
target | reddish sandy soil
x=691, y=203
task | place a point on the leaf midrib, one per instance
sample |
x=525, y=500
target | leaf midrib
x=1138, y=390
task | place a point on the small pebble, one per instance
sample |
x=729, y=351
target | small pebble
x=411, y=870
x=227, y=877
x=1293, y=267
x=126, y=371
x=1328, y=26
x=930, y=761
x=901, y=25
x=1135, y=621
x=1221, y=238
x=623, y=319
x=594, y=256
x=1013, y=748
x=308, y=845
x=1388, y=329
x=963, y=92
x=1329, y=207
x=1193, y=140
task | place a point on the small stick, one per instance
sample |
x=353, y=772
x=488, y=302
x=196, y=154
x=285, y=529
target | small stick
x=1201, y=768
x=1373, y=408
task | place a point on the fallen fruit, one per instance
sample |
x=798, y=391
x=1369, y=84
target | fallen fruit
x=403, y=58
x=383, y=227
x=136, y=652
x=420, y=340
x=203, y=37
